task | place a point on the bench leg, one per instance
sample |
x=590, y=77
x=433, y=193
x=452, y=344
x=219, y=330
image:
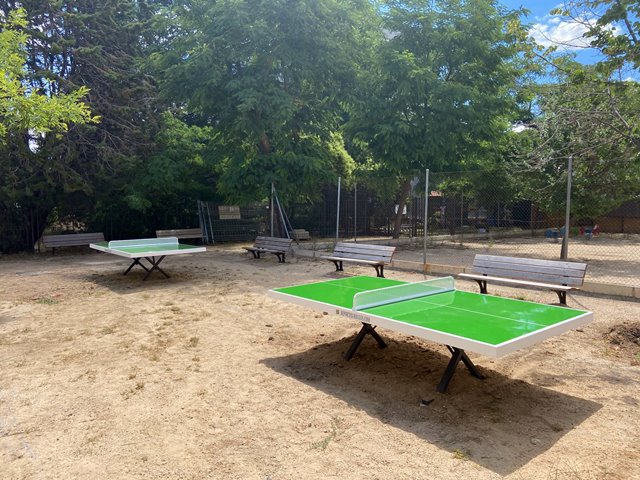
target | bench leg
x=457, y=355
x=483, y=285
x=562, y=296
x=338, y=264
x=366, y=329
x=379, y=270
x=280, y=257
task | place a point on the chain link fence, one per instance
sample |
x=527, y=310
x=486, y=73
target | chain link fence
x=476, y=212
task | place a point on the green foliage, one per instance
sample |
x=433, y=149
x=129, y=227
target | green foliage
x=596, y=125
x=175, y=171
x=270, y=77
x=23, y=108
x=441, y=84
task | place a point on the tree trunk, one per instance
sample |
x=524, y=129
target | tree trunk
x=402, y=201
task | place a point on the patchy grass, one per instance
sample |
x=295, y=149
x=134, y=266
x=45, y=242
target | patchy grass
x=46, y=301
x=336, y=425
x=460, y=454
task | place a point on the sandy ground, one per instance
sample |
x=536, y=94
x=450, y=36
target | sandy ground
x=202, y=376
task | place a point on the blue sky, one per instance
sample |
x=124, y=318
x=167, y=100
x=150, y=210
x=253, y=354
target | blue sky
x=548, y=28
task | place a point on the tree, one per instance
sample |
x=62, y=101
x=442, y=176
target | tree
x=270, y=77
x=611, y=26
x=76, y=44
x=588, y=121
x=442, y=87
x=23, y=109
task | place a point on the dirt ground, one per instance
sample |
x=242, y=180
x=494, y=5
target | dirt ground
x=203, y=376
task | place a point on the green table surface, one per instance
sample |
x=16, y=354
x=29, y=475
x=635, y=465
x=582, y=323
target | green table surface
x=485, y=318
x=149, y=248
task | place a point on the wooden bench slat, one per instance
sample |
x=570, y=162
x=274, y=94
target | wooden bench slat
x=301, y=234
x=347, y=259
x=549, y=270
x=375, y=255
x=549, y=278
x=180, y=233
x=560, y=276
x=530, y=261
x=71, y=239
x=362, y=256
x=275, y=245
x=550, y=286
x=364, y=246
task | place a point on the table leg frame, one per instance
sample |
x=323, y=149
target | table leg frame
x=457, y=355
x=155, y=265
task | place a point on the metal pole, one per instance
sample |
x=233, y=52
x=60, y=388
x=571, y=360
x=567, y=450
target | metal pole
x=338, y=211
x=567, y=215
x=272, y=193
x=426, y=216
x=355, y=212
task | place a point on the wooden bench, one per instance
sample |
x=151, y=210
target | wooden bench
x=181, y=233
x=559, y=276
x=71, y=240
x=301, y=234
x=276, y=246
x=375, y=255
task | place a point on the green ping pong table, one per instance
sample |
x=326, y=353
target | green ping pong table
x=154, y=250
x=434, y=310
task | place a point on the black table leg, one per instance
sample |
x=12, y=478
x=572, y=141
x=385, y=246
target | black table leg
x=154, y=266
x=457, y=355
x=136, y=261
x=366, y=329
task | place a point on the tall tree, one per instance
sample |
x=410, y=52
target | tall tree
x=76, y=44
x=269, y=76
x=442, y=86
x=22, y=109
x=588, y=121
x=26, y=110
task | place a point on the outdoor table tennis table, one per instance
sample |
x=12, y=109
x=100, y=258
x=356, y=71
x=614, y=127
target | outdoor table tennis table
x=154, y=250
x=434, y=310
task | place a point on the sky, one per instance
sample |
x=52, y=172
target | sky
x=552, y=29
x=547, y=29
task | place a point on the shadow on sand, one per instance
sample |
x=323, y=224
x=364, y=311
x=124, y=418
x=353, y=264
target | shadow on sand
x=499, y=423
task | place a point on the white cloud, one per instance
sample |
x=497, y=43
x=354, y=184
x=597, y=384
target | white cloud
x=565, y=33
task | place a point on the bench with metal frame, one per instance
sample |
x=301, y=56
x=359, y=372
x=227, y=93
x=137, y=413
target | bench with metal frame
x=181, y=233
x=375, y=255
x=71, y=240
x=559, y=276
x=274, y=245
x=301, y=234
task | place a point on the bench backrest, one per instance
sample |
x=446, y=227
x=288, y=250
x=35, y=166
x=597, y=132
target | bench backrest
x=364, y=251
x=72, y=239
x=273, y=243
x=549, y=271
x=180, y=233
x=301, y=234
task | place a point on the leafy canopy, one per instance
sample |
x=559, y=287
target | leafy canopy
x=22, y=108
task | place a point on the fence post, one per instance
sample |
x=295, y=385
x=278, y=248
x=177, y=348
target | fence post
x=564, y=251
x=271, y=207
x=355, y=212
x=338, y=212
x=426, y=217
